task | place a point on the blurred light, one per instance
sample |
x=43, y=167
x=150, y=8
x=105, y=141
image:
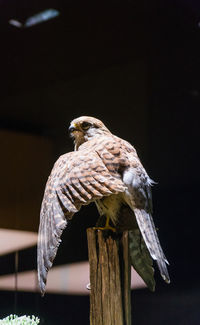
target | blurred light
x=41, y=17
x=14, y=240
x=15, y=23
x=63, y=279
x=36, y=19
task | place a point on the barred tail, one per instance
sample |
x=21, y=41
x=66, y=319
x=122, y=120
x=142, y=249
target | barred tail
x=149, y=234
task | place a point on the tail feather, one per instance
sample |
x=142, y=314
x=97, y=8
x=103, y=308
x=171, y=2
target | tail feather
x=149, y=234
x=140, y=258
x=139, y=254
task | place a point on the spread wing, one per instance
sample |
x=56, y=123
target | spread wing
x=77, y=179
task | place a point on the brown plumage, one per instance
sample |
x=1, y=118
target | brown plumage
x=106, y=170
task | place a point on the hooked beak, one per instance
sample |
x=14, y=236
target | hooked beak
x=72, y=128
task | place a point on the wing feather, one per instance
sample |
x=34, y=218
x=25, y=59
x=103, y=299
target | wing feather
x=147, y=228
x=138, y=197
x=77, y=178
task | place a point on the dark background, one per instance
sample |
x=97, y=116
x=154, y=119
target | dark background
x=136, y=66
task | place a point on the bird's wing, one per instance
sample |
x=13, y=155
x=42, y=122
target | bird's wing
x=77, y=179
x=138, y=197
x=139, y=254
x=140, y=258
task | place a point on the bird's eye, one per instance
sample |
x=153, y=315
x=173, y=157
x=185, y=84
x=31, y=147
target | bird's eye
x=85, y=125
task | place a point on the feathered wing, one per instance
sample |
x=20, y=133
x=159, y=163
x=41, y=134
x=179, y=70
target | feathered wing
x=77, y=179
x=141, y=259
x=139, y=254
x=147, y=228
x=102, y=167
x=138, y=196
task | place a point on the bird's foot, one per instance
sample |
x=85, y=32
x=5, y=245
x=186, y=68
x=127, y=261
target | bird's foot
x=105, y=228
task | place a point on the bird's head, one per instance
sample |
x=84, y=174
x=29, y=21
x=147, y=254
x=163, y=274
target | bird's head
x=84, y=128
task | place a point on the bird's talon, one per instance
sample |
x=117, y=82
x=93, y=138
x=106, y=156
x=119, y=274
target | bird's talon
x=105, y=228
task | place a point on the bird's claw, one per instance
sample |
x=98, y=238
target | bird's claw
x=105, y=228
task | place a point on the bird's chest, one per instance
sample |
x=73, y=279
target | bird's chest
x=110, y=206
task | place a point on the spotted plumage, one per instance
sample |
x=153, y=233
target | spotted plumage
x=106, y=170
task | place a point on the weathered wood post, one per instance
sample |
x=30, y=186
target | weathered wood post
x=110, y=276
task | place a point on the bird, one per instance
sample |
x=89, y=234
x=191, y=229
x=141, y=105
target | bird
x=104, y=169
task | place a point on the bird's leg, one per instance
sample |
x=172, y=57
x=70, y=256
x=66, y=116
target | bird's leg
x=107, y=225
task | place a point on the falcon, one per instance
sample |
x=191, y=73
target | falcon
x=104, y=169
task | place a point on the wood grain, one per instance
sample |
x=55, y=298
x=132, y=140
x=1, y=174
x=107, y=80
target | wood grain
x=110, y=267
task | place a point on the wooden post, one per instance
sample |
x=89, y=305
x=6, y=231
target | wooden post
x=110, y=273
